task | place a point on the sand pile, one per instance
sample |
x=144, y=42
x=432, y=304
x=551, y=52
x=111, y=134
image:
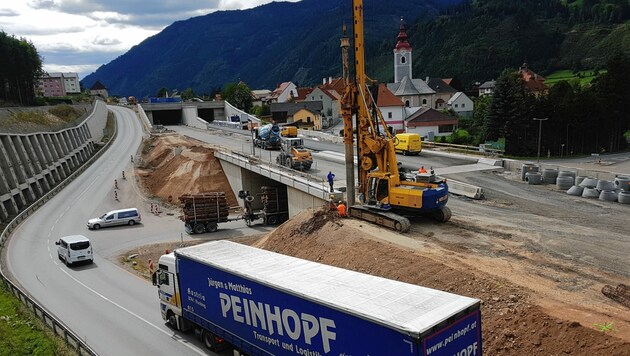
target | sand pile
x=511, y=322
x=174, y=165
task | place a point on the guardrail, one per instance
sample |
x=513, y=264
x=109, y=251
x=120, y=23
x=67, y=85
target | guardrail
x=308, y=183
x=463, y=148
x=58, y=327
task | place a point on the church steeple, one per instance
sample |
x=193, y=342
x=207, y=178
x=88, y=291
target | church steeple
x=402, y=55
x=402, y=37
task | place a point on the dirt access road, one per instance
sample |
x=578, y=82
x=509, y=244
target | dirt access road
x=536, y=257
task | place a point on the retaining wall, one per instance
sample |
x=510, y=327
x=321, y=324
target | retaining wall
x=32, y=164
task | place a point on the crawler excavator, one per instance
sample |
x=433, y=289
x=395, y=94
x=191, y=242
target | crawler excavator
x=386, y=197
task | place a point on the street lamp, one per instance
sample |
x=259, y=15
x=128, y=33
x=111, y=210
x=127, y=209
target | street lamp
x=539, y=133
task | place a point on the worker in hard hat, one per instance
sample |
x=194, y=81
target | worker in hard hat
x=422, y=170
x=341, y=208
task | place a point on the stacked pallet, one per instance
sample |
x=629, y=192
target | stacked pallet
x=205, y=207
x=274, y=200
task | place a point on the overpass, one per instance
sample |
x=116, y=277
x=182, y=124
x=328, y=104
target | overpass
x=246, y=172
x=193, y=113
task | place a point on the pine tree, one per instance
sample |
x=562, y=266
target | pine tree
x=510, y=114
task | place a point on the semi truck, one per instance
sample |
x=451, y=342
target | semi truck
x=267, y=136
x=259, y=302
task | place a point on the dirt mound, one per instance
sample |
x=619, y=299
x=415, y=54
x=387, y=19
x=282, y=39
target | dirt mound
x=512, y=323
x=173, y=165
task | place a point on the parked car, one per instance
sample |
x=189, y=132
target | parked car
x=129, y=216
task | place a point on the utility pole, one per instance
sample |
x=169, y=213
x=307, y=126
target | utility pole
x=539, y=134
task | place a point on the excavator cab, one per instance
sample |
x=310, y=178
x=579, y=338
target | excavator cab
x=378, y=192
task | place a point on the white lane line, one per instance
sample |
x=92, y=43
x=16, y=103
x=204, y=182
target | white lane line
x=132, y=313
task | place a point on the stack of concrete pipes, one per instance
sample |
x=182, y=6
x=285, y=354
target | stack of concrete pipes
x=587, y=187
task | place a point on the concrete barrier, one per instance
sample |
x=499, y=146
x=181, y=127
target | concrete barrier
x=491, y=161
x=465, y=189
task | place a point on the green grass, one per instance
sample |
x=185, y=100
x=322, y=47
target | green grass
x=21, y=333
x=584, y=77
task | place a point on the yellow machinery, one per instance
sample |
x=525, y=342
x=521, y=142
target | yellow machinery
x=382, y=193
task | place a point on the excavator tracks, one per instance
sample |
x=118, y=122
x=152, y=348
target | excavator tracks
x=383, y=218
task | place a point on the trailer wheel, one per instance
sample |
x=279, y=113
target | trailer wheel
x=199, y=228
x=272, y=220
x=212, y=227
x=209, y=340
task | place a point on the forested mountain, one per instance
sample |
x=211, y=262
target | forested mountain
x=471, y=39
x=263, y=46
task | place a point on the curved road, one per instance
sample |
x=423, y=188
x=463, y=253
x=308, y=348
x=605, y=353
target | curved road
x=116, y=312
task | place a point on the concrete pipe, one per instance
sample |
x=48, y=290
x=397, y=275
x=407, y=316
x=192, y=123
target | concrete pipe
x=566, y=174
x=575, y=191
x=589, y=192
x=579, y=179
x=589, y=182
x=624, y=197
x=549, y=175
x=528, y=168
x=608, y=195
x=564, y=183
x=605, y=185
x=623, y=183
x=533, y=178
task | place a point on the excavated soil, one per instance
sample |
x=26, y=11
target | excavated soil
x=522, y=314
x=173, y=165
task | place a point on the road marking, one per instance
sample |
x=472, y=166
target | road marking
x=193, y=348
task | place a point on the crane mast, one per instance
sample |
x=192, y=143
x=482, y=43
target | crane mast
x=373, y=150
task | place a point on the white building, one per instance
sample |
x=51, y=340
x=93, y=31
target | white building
x=461, y=104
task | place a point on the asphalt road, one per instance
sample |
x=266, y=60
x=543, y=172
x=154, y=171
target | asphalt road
x=116, y=312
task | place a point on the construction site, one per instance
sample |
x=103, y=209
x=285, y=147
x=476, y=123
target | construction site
x=549, y=268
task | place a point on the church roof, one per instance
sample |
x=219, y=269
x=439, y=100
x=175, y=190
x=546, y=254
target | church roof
x=408, y=86
x=440, y=86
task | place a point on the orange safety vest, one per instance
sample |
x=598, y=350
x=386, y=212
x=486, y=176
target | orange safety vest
x=341, y=208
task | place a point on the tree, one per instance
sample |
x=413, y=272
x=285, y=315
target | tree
x=162, y=93
x=20, y=69
x=510, y=114
x=188, y=94
x=238, y=95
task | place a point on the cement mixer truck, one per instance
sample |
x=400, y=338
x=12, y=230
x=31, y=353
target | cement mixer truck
x=267, y=137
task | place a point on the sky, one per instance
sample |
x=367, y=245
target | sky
x=81, y=35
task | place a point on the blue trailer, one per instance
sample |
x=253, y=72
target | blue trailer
x=263, y=303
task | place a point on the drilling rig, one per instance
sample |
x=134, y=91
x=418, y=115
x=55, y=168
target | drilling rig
x=385, y=196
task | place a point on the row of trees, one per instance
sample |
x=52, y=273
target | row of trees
x=580, y=119
x=20, y=67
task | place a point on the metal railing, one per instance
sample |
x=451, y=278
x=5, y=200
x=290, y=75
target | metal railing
x=483, y=151
x=57, y=326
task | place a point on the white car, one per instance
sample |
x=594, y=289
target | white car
x=74, y=248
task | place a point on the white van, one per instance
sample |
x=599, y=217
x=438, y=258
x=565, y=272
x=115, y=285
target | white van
x=129, y=216
x=74, y=248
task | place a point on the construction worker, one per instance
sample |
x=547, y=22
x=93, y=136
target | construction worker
x=331, y=180
x=422, y=170
x=341, y=208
